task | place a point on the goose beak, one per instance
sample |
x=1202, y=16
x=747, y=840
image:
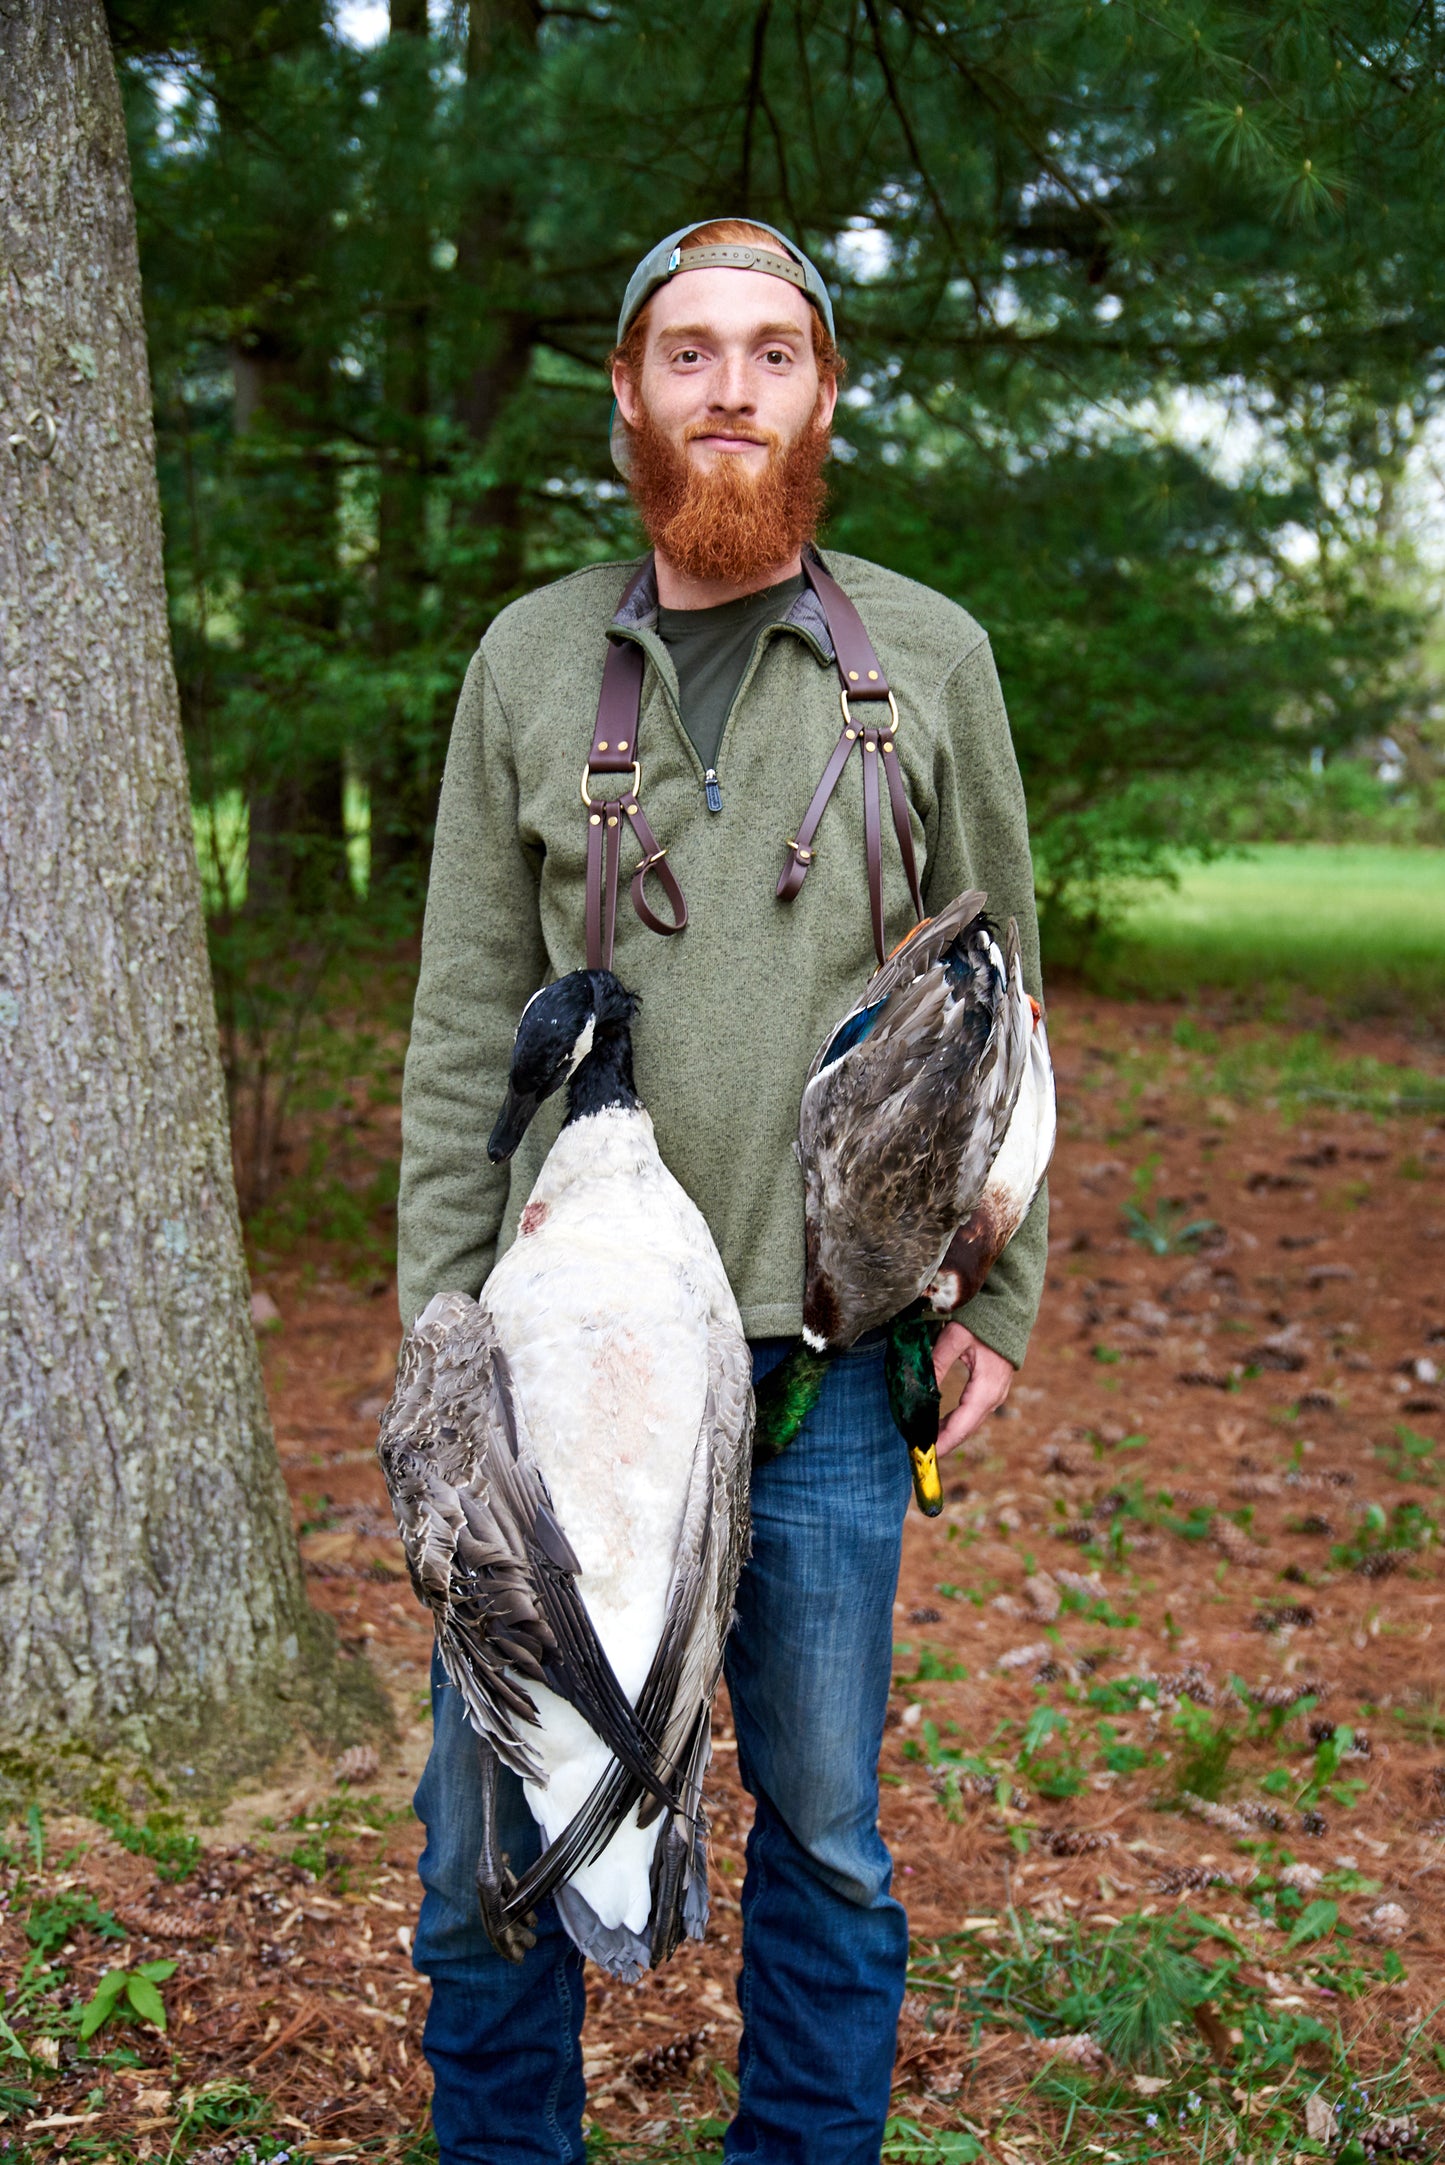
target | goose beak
x=513, y=1121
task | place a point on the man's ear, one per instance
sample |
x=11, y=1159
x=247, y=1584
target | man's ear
x=624, y=390
x=827, y=401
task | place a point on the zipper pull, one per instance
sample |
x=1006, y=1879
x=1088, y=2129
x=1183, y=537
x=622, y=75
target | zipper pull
x=711, y=790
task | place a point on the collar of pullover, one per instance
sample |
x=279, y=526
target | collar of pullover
x=638, y=613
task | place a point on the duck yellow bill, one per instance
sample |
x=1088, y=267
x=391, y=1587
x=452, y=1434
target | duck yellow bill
x=927, y=1487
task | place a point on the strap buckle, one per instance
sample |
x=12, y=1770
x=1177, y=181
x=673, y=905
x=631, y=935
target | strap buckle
x=804, y=856
x=633, y=791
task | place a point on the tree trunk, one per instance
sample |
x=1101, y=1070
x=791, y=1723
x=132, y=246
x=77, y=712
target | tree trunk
x=150, y=1595
x=403, y=773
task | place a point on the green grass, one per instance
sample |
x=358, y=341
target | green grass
x=1361, y=927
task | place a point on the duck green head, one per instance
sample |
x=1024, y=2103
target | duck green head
x=576, y=1031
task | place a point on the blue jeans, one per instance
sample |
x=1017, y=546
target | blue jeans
x=825, y=1945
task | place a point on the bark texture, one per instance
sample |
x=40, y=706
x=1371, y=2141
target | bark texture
x=149, y=1584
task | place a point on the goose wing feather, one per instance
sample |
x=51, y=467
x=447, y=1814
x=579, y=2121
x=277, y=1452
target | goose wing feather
x=485, y=1549
x=682, y=1678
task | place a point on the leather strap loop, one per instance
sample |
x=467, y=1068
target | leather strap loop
x=898, y=798
x=614, y=751
x=873, y=838
x=654, y=860
x=800, y=846
x=862, y=678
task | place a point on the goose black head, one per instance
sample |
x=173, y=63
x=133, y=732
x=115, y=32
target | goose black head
x=575, y=1031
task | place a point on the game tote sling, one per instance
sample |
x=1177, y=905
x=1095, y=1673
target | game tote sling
x=862, y=686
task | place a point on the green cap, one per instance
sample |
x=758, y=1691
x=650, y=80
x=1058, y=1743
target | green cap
x=670, y=256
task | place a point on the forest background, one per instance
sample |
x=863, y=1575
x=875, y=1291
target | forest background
x=1143, y=312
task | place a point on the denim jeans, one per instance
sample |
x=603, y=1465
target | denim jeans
x=824, y=1943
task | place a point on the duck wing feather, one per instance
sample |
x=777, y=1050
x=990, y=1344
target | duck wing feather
x=485, y=1549
x=903, y=1112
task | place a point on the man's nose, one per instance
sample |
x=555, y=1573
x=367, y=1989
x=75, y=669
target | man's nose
x=731, y=390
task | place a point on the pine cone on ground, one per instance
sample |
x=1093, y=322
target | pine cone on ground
x=360, y=1764
x=669, y=2063
x=1190, y=1879
x=1394, y=2136
x=1234, y=1542
x=178, y=1925
x=1074, y=1841
x=1383, y=1563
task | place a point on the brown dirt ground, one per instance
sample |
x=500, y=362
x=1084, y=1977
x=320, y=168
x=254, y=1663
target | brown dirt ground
x=1265, y=1371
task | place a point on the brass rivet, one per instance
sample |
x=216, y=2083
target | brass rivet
x=852, y=676
x=873, y=676
x=629, y=809
x=887, y=744
x=613, y=821
x=602, y=744
x=850, y=734
x=622, y=744
x=870, y=747
x=596, y=820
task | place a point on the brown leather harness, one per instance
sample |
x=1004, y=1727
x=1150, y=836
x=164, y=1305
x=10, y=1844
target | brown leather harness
x=614, y=751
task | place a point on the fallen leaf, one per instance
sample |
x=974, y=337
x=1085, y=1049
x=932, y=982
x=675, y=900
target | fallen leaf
x=1320, y=2122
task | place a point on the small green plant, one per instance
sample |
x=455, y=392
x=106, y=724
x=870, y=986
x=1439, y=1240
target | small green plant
x=1047, y=1759
x=220, y=2106
x=1157, y=1223
x=52, y=1921
x=160, y=1836
x=1322, y=1780
x=1405, y=1527
x=1208, y=1747
x=935, y=1668
x=1410, y=1457
x=137, y=1989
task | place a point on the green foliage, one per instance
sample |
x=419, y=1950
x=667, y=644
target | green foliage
x=134, y=1991
x=1406, y=1526
x=1208, y=1745
x=1163, y=1228
x=52, y=1920
x=161, y=1836
x=1112, y=287
x=1284, y=924
x=219, y=2107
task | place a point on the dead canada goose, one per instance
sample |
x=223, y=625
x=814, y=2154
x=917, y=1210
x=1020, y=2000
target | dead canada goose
x=568, y=1460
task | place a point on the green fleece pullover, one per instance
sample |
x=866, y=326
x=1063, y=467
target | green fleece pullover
x=734, y=1008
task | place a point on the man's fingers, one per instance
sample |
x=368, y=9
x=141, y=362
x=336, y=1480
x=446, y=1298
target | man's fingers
x=970, y=1413
x=954, y=1343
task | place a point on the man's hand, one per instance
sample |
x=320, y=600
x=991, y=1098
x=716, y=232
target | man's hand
x=990, y=1377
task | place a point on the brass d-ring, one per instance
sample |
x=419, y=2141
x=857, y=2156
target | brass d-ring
x=636, y=783
x=848, y=721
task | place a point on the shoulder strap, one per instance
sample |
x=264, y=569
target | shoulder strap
x=614, y=751
x=861, y=678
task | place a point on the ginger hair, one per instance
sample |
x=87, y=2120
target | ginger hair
x=725, y=233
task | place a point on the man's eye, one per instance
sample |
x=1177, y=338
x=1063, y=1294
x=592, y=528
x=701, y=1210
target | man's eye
x=689, y=353
x=777, y=355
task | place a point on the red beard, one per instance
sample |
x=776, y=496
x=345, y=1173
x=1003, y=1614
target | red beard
x=727, y=523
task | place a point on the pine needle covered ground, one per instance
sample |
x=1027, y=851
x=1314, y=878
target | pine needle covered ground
x=1165, y=1766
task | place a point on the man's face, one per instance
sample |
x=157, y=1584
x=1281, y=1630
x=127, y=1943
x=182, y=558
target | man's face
x=728, y=372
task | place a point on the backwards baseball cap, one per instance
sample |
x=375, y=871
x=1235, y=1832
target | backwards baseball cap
x=672, y=256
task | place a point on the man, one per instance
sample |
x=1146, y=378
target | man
x=726, y=377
